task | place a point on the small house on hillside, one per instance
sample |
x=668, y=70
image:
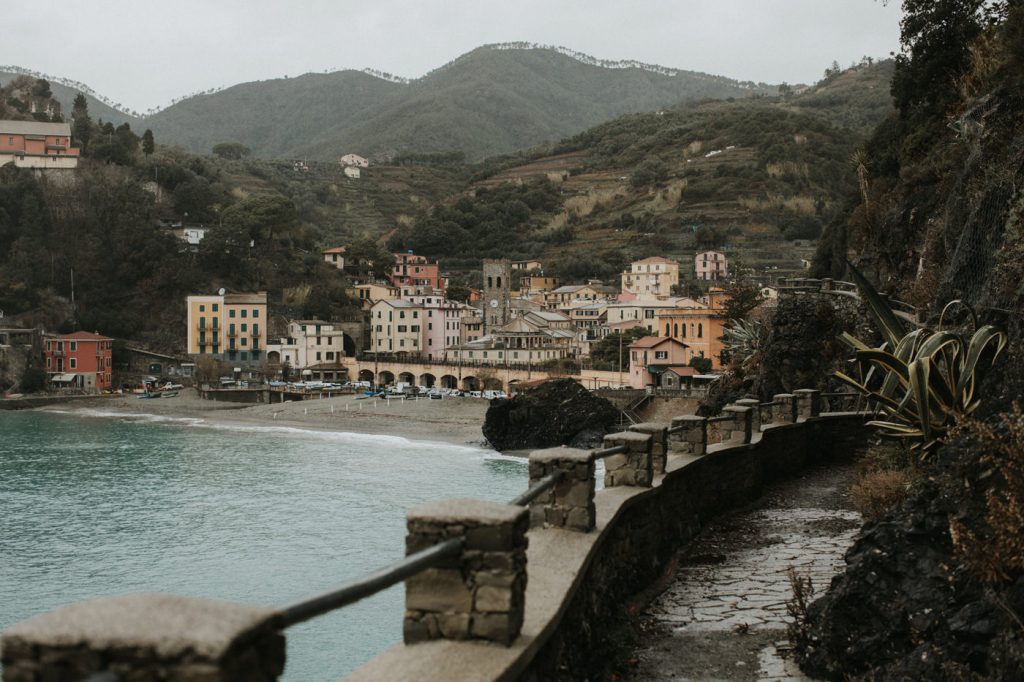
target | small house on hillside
x=650, y=356
x=335, y=256
x=352, y=172
x=355, y=160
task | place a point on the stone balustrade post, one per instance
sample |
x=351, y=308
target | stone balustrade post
x=738, y=429
x=692, y=438
x=659, y=443
x=570, y=504
x=827, y=284
x=755, y=412
x=632, y=467
x=784, y=410
x=808, y=402
x=479, y=594
x=146, y=637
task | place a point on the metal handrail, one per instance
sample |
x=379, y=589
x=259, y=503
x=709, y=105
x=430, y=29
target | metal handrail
x=351, y=592
x=535, y=491
x=608, y=452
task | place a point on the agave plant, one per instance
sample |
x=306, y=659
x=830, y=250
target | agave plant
x=921, y=381
x=744, y=340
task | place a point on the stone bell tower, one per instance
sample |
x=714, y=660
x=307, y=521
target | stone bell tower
x=497, y=295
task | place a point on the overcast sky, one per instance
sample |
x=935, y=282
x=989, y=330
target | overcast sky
x=143, y=53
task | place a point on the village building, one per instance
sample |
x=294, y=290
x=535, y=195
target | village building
x=81, y=360
x=442, y=324
x=230, y=327
x=372, y=292
x=412, y=270
x=526, y=265
x=396, y=327
x=354, y=160
x=334, y=256
x=352, y=172
x=644, y=311
x=592, y=318
x=710, y=266
x=650, y=356
x=654, y=276
x=537, y=284
x=568, y=296
x=35, y=144
x=310, y=345
x=701, y=329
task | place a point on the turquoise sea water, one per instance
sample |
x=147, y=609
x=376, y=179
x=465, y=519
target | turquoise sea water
x=103, y=504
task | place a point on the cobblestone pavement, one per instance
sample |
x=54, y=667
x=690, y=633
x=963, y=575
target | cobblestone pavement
x=723, y=616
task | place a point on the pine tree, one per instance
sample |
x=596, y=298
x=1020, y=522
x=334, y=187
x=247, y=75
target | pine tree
x=82, y=127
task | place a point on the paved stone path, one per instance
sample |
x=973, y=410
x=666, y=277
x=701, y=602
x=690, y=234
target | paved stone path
x=723, y=616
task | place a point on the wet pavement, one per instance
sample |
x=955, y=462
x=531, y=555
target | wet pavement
x=723, y=615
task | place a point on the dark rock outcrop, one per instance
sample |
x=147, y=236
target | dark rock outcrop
x=908, y=606
x=559, y=412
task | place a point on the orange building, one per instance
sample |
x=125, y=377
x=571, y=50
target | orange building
x=34, y=144
x=413, y=270
x=701, y=329
x=79, y=360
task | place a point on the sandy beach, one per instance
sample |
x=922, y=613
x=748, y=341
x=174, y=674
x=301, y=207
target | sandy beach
x=452, y=420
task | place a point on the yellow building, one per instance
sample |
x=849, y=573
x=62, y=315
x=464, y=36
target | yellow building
x=232, y=327
x=701, y=329
x=653, y=276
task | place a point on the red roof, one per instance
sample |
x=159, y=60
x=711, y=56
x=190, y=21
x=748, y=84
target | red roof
x=336, y=249
x=682, y=371
x=84, y=336
x=652, y=341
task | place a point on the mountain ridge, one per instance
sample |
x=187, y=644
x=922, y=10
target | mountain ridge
x=495, y=99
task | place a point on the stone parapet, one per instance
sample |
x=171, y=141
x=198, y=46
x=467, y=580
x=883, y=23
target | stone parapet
x=570, y=504
x=659, y=442
x=690, y=435
x=633, y=467
x=146, y=637
x=738, y=428
x=808, y=402
x=755, y=412
x=478, y=594
x=784, y=409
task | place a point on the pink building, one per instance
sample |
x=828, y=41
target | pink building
x=36, y=144
x=650, y=356
x=355, y=161
x=710, y=266
x=442, y=324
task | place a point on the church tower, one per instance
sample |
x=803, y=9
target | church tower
x=497, y=295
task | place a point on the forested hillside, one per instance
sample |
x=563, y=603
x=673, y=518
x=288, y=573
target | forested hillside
x=66, y=96
x=749, y=176
x=486, y=102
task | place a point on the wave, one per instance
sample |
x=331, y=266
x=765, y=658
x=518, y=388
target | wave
x=350, y=437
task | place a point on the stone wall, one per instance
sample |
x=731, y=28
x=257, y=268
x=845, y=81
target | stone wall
x=649, y=528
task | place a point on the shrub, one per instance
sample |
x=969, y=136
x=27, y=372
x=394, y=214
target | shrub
x=878, y=490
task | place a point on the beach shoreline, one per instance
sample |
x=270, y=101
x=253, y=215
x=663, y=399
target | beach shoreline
x=455, y=421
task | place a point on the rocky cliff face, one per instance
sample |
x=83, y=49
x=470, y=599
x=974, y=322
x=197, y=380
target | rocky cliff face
x=934, y=589
x=559, y=412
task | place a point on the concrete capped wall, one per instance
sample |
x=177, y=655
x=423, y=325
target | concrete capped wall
x=579, y=582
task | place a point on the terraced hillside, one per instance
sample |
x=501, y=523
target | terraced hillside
x=758, y=179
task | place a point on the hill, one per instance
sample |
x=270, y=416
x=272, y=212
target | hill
x=64, y=92
x=758, y=178
x=493, y=100
x=272, y=117
x=856, y=98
